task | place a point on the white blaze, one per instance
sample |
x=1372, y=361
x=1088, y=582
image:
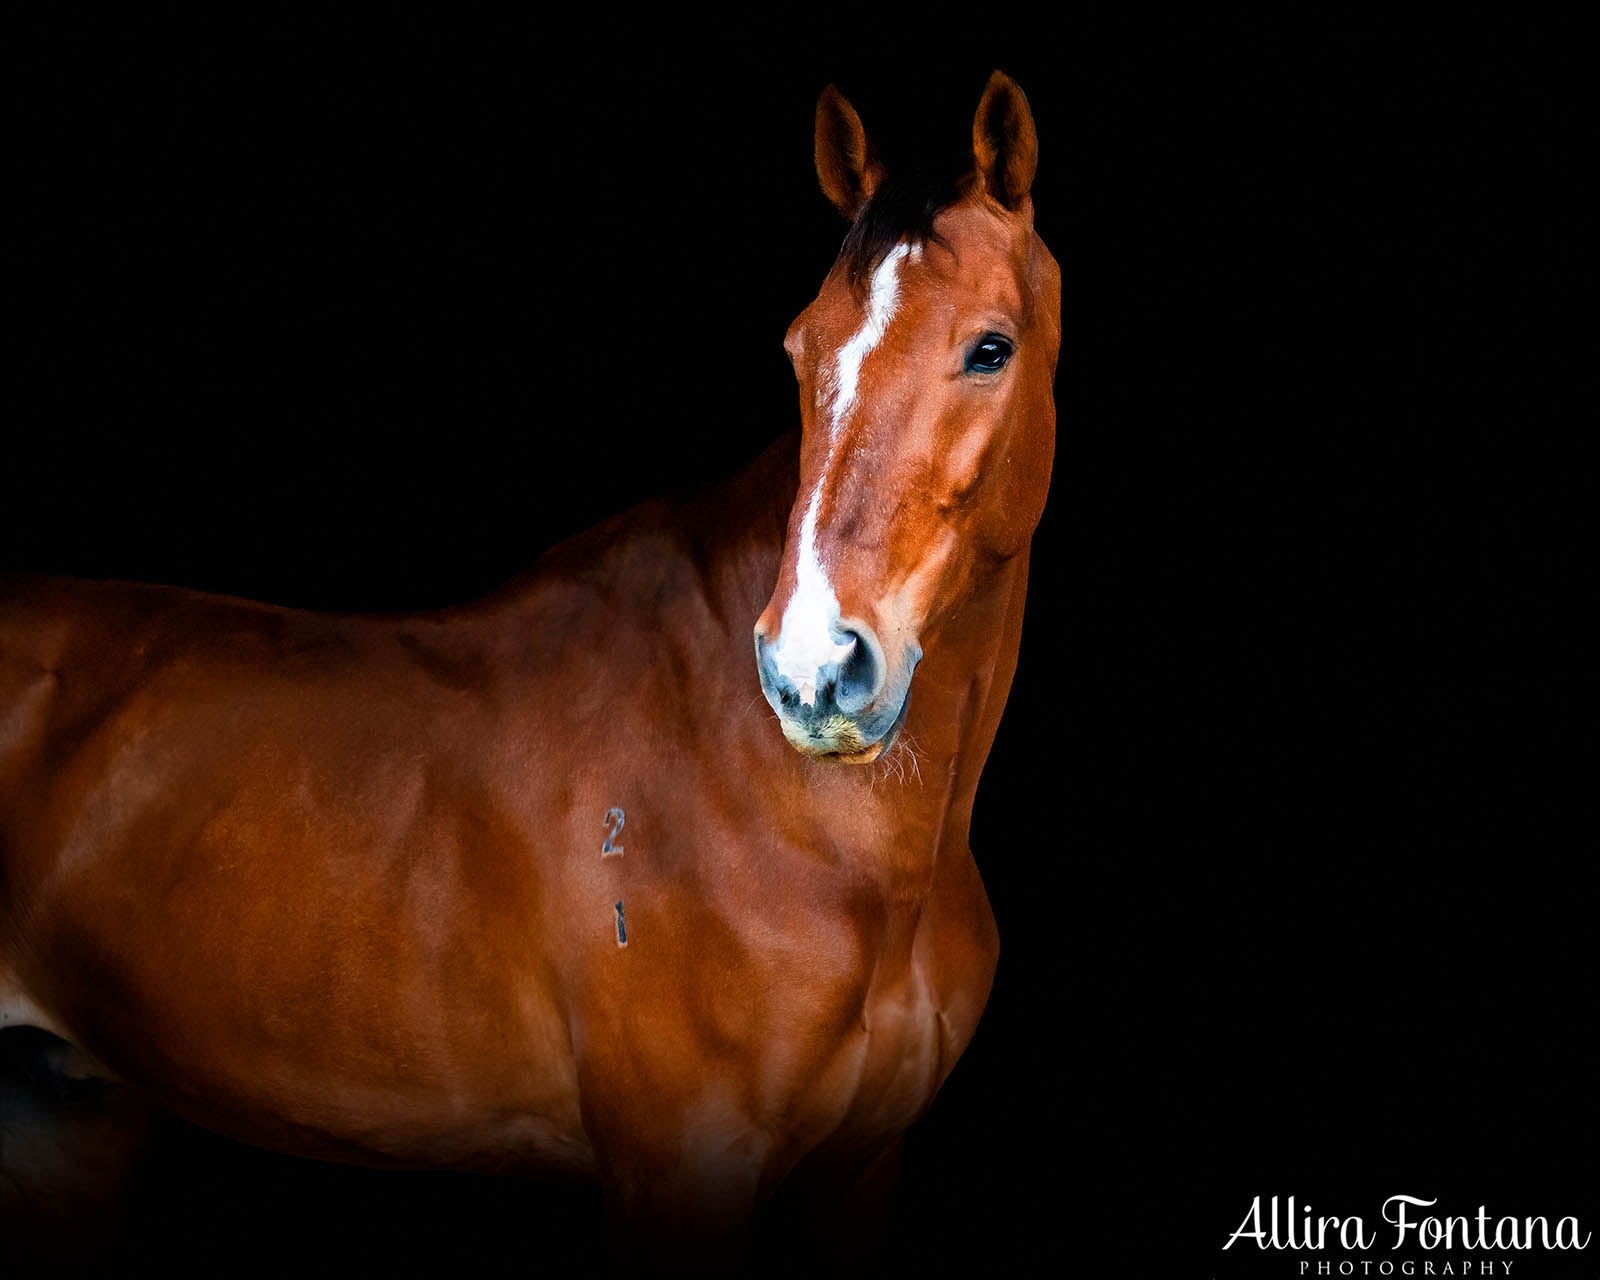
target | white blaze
x=805, y=637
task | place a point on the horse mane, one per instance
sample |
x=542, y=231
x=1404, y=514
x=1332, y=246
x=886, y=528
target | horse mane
x=901, y=208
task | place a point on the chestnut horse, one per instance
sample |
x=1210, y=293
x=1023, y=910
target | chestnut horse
x=537, y=882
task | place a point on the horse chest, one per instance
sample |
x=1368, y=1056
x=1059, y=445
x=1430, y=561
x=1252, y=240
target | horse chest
x=907, y=1049
x=791, y=998
x=921, y=979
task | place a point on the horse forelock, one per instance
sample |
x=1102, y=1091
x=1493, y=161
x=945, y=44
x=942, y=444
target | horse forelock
x=901, y=211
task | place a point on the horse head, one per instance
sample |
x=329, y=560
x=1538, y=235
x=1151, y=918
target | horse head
x=925, y=367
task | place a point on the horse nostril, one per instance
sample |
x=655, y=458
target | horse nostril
x=775, y=685
x=859, y=675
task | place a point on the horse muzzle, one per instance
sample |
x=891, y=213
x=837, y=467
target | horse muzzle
x=848, y=708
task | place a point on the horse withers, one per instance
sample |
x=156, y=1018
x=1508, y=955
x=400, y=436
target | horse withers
x=481, y=887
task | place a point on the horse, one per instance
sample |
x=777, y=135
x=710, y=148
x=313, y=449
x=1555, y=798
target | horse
x=650, y=867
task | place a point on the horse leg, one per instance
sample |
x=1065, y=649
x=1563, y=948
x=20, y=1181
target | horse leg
x=680, y=1192
x=839, y=1214
x=871, y=1195
x=692, y=1199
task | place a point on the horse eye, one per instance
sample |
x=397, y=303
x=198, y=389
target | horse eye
x=989, y=355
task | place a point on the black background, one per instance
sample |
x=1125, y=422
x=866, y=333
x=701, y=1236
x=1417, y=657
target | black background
x=1277, y=825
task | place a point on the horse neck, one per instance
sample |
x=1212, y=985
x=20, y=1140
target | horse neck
x=966, y=678
x=733, y=535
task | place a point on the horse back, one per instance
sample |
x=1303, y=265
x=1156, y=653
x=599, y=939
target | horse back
x=265, y=858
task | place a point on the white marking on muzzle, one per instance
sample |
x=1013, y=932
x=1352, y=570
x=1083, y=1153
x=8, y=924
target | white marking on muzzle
x=806, y=640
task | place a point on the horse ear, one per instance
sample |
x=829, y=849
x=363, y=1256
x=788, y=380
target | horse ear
x=847, y=166
x=1004, y=143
